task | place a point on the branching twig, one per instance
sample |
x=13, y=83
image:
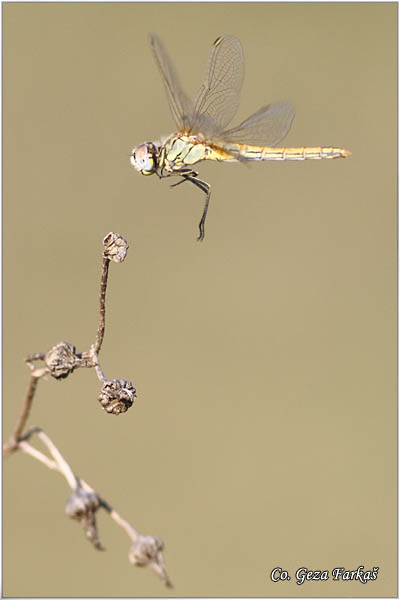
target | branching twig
x=116, y=396
x=28, y=449
x=144, y=549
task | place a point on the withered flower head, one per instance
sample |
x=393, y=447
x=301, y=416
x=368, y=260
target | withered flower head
x=115, y=247
x=117, y=395
x=82, y=506
x=147, y=550
x=61, y=360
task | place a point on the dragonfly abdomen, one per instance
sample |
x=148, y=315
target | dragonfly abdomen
x=274, y=153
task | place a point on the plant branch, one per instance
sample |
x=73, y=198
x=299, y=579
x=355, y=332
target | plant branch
x=19, y=427
x=31, y=451
x=116, y=396
x=63, y=466
x=102, y=321
x=144, y=550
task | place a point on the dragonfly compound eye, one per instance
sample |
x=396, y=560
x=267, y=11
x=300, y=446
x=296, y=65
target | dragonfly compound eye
x=144, y=158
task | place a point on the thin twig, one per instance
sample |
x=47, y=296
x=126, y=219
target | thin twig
x=129, y=530
x=100, y=373
x=64, y=467
x=59, y=464
x=19, y=427
x=102, y=322
x=27, y=407
x=117, y=396
x=28, y=449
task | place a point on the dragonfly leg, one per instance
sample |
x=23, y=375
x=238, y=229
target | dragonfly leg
x=205, y=187
x=184, y=174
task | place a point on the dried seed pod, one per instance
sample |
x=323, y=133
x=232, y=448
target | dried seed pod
x=82, y=506
x=117, y=395
x=61, y=360
x=147, y=550
x=115, y=247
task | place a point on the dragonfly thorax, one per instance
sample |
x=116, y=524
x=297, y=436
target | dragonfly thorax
x=145, y=158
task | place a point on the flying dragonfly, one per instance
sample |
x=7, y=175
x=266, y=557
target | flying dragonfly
x=202, y=123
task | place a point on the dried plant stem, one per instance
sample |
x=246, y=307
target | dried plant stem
x=131, y=532
x=102, y=323
x=12, y=443
x=60, y=464
x=31, y=451
x=57, y=464
x=62, y=359
x=127, y=527
x=144, y=549
x=64, y=467
x=116, y=396
x=27, y=407
x=100, y=373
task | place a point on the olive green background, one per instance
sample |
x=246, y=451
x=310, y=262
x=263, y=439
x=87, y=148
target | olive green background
x=264, y=432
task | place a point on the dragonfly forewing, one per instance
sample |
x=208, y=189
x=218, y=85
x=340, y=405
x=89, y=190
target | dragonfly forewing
x=219, y=95
x=180, y=104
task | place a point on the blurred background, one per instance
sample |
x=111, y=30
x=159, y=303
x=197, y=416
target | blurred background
x=264, y=432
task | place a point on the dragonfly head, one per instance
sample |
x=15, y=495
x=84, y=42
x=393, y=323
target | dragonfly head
x=144, y=158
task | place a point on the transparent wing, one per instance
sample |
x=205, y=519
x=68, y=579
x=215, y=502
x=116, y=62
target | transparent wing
x=180, y=104
x=267, y=127
x=218, y=98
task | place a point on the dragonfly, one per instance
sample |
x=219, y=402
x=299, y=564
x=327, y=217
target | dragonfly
x=202, y=123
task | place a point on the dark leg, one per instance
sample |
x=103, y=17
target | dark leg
x=207, y=192
x=205, y=187
x=184, y=173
